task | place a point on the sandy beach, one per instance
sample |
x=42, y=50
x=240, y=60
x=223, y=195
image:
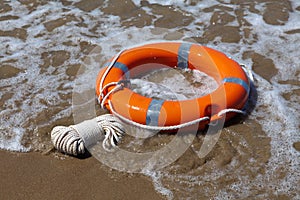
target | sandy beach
x=35, y=176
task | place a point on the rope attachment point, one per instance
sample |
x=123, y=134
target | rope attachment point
x=75, y=138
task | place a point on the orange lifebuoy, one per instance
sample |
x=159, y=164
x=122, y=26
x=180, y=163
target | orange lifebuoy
x=232, y=92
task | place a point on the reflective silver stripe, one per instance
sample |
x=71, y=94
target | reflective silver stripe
x=153, y=112
x=237, y=81
x=122, y=67
x=183, y=55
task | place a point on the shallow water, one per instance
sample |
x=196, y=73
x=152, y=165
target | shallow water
x=163, y=84
x=44, y=44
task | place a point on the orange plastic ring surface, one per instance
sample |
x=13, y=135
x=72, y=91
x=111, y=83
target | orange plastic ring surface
x=232, y=92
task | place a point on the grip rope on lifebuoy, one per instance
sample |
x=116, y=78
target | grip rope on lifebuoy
x=75, y=139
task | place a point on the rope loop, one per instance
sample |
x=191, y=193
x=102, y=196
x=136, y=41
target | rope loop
x=102, y=98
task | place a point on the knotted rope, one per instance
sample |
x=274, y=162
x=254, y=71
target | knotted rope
x=73, y=139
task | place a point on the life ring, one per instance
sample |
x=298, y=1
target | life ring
x=232, y=92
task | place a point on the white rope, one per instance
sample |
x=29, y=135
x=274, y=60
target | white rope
x=103, y=100
x=156, y=128
x=248, y=72
x=108, y=85
x=75, y=138
x=174, y=127
x=224, y=111
x=111, y=65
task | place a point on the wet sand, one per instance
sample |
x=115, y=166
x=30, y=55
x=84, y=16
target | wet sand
x=36, y=176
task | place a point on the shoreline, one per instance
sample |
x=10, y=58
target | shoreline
x=33, y=176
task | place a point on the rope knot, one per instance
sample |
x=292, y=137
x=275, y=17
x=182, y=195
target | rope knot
x=75, y=138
